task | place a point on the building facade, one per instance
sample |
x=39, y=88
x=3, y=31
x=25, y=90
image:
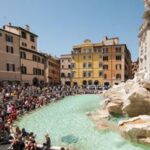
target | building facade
x=144, y=44
x=104, y=64
x=52, y=70
x=9, y=56
x=65, y=69
x=135, y=67
x=21, y=61
x=31, y=61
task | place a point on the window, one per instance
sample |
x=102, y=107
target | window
x=73, y=65
x=84, y=74
x=69, y=75
x=90, y=74
x=84, y=51
x=39, y=59
x=13, y=67
x=118, y=49
x=118, y=66
x=105, y=67
x=34, y=58
x=84, y=65
x=73, y=74
x=63, y=75
x=7, y=67
x=9, y=38
x=43, y=61
x=23, y=55
x=90, y=50
x=12, y=50
x=95, y=50
x=69, y=66
x=10, y=67
x=9, y=49
x=24, y=44
x=62, y=66
x=37, y=71
x=89, y=65
x=23, y=70
x=89, y=57
x=32, y=38
x=105, y=50
x=118, y=76
x=42, y=72
x=33, y=47
x=100, y=73
x=105, y=76
x=1, y=34
x=119, y=57
x=100, y=56
x=99, y=50
x=23, y=34
x=34, y=71
x=84, y=57
x=105, y=58
x=100, y=65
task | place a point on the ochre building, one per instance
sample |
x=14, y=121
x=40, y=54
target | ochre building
x=21, y=61
x=104, y=64
x=52, y=70
x=9, y=56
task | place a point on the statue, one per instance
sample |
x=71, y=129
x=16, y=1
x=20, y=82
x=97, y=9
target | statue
x=147, y=4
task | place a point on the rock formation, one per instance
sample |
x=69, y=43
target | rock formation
x=136, y=129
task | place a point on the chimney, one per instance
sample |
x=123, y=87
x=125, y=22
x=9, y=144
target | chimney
x=27, y=27
x=9, y=24
x=105, y=38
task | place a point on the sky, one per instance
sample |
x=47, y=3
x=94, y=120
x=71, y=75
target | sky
x=61, y=24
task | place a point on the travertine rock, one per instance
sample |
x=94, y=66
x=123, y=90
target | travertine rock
x=115, y=106
x=138, y=102
x=136, y=129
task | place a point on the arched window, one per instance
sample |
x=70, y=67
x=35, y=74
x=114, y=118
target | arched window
x=69, y=75
x=84, y=82
x=96, y=82
x=90, y=82
x=118, y=76
x=105, y=76
x=24, y=70
x=62, y=75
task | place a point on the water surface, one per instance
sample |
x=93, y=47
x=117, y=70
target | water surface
x=68, y=116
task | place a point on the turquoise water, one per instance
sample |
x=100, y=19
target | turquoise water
x=68, y=116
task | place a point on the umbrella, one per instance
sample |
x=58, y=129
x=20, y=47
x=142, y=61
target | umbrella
x=69, y=139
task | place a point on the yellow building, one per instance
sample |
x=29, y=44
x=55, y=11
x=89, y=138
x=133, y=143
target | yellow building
x=105, y=63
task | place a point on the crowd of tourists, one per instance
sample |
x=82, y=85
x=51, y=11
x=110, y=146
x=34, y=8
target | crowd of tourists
x=17, y=100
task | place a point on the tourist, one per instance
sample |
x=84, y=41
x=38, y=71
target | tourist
x=17, y=100
x=47, y=143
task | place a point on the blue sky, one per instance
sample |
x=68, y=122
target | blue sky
x=61, y=24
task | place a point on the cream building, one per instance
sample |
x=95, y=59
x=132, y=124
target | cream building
x=65, y=69
x=32, y=62
x=9, y=56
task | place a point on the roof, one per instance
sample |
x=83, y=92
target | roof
x=31, y=51
x=17, y=27
x=9, y=32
